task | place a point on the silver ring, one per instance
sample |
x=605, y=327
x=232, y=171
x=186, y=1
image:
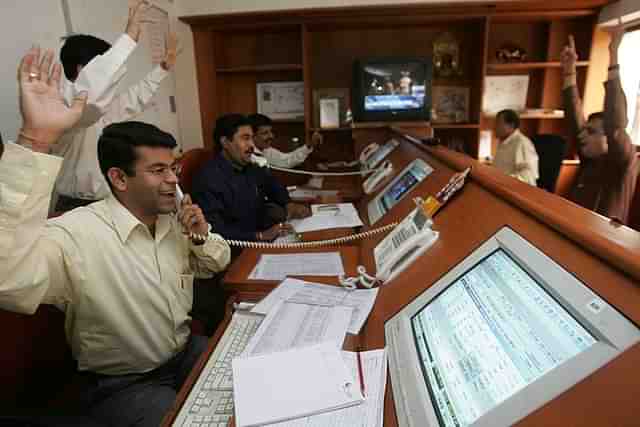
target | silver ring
x=33, y=75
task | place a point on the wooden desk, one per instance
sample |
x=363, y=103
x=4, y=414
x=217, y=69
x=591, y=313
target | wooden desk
x=601, y=254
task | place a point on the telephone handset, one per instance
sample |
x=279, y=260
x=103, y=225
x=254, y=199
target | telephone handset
x=410, y=239
x=374, y=153
x=368, y=152
x=296, y=245
x=372, y=183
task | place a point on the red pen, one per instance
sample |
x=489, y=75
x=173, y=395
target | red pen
x=360, y=374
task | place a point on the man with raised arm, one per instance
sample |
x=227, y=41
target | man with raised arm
x=121, y=269
x=607, y=176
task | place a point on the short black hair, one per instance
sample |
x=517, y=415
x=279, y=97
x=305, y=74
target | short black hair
x=80, y=49
x=118, y=142
x=259, y=120
x=227, y=126
x=596, y=116
x=510, y=117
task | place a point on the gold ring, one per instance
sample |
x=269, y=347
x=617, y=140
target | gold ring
x=33, y=75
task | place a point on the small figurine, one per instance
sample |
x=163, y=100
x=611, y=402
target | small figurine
x=511, y=53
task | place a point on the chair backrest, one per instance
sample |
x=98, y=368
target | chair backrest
x=551, y=151
x=192, y=161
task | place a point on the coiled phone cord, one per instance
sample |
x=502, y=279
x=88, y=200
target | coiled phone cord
x=299, y=245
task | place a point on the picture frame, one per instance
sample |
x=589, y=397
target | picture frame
x=450, y=104
x=342, y=95
x=281, y=100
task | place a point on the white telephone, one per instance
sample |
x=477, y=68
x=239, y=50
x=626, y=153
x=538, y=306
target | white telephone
x=375, y=153
x=410, y=239
x=368, y=152
x=372, y=183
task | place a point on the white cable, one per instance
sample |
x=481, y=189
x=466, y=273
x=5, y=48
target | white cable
x=299, y=245
x=363, y=279
x=315, y=173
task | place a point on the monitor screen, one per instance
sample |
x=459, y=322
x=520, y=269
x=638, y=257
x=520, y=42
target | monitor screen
x=490, y=333
x=394, y=87
x=402, y=185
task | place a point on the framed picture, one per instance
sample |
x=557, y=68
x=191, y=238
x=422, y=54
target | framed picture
x=281, y=100
x=450, y=104
x=325, y=102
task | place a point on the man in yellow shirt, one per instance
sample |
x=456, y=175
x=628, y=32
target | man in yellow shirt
x=121, y=269
x=516, y=155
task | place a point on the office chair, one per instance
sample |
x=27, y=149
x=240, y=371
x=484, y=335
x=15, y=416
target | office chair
x=551, y=150
x=192, y=161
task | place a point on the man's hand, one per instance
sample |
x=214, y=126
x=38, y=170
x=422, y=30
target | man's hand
x=45, y=116
x=315, y=141
x=134, y=24
x=616, y=33
x=297, y=211
x=569, y=57
x=192, y=219
x=171, y=51
x=281, y=229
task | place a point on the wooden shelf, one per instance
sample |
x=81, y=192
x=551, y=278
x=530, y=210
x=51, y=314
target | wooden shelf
x=529, y=65
x=288, y=121
x=455, y=125
x=260, y=68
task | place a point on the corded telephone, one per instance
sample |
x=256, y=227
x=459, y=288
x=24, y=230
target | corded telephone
x=410, y=239
x=375, y=153
x=372, y=183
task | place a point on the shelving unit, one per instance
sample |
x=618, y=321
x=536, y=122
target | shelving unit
x=236, y=52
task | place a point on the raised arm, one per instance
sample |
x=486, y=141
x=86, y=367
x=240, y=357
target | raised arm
x=621, y=148
x=572, y=103
x=32, y=259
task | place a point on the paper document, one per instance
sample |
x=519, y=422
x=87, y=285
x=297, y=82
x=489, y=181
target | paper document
x=315, y=182
x=309, y=193
x=300, y=291
x=327, y=216
x=291, y=384
x=371, y=412
x=291, y=325
x=279, y=266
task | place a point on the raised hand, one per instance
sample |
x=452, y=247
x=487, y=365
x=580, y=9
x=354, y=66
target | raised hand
x=316, y=140
x=135, y=21
x=569, y=57
x=45, y=115
x=616, y=33
x=192, y=219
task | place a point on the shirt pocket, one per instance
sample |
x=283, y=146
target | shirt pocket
x=184, y=292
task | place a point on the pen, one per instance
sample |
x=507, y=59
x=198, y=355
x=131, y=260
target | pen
x=360, y=374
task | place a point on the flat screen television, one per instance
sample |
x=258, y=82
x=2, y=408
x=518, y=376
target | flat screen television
x=391, y=89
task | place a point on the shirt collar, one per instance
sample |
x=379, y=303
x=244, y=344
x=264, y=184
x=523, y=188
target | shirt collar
x=125, y=222
x=511, y=137
x=230, y=166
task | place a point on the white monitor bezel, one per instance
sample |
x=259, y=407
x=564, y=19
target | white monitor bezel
x=614, y=333
x=375, y=210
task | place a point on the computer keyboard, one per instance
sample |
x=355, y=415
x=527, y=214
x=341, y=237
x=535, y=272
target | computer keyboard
x=210, y=402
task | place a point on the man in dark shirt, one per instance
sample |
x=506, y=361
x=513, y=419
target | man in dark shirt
x=236, y=196
x=607, y=176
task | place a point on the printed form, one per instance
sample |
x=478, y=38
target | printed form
x=279, y=266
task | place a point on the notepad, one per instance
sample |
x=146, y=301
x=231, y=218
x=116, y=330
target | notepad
x=296, y=383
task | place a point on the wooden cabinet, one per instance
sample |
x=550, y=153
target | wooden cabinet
x=318, y=47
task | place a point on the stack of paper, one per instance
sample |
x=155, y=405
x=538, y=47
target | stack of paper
x=279, y=266
x=327, y=216
x=291, y=384
x=289, y=325
x=299, y=291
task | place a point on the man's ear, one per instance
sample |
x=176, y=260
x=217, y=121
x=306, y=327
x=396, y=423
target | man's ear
x=118, y=179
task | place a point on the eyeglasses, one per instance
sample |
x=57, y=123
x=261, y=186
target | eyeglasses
x=163, y=171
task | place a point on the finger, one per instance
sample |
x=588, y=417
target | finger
x=54, y=77
x=79, y=101
x=572, y=42
x=45, y=66
x=186, y=201
x=25, y=65
x=35, y=65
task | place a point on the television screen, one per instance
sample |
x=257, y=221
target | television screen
x=488, y=335
x=394, y=86
x=389, y=89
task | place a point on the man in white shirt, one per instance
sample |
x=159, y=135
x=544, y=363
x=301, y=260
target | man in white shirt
x=93, y=65
x=516, y=155
x=263, y=137
x=121, y=269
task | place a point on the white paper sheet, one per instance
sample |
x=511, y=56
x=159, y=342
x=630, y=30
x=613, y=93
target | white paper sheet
x=310, y=193
x=279, y=266
x=371, y=412
x=300, y=291
x=291, y=384
x=289, y=325
x=327, y=216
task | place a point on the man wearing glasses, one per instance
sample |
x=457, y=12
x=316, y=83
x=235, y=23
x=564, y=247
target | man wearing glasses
x=607, y=176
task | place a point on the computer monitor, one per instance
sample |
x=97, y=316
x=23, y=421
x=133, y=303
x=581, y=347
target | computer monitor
x=501, y=334
x=397, y=189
